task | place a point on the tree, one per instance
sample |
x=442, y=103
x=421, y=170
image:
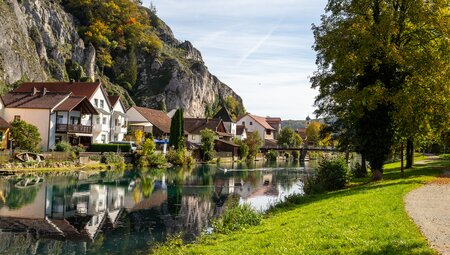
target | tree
x=235, y=107
x=149, y=146
x=289, y=139
x=207, y=147
x=313, y=133
x=176, y=139
x=138, y=136
x=25, y=136
x=374, y=76
x=254, y=143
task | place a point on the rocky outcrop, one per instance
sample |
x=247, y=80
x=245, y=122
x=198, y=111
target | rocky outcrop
x=179, y=80
x=37, y=38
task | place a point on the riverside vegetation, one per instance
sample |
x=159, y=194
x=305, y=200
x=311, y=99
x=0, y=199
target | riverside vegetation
x=364, y=218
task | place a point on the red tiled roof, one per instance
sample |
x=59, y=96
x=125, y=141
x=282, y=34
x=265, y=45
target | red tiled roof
x=261, y=120
x=113, y=100
x=36, y=101
x=72, y=102
x=274, y=120
x=240, y=129
x=4, y=124
x=195, y=125
x=159, y=119
x=86, y=89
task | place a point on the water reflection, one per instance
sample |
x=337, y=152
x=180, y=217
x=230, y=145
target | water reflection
x=118, y=212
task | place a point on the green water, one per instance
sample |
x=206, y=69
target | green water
x=128, y=212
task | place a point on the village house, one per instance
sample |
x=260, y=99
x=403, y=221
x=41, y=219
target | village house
x=275, y=123
x=225, y=116
x=241, y=132
x=119, y=120
x=149, y=121
x=59, y=116
x=258, y=124
x=194, y=126
x=96, y=95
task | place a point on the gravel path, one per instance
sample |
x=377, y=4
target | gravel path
x=429, y=207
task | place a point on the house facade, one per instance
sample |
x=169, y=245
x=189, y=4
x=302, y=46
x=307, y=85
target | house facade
x=149, y=120
x=254, y=123
x=103, y=130
x=194, y=126
x=119, y=122
x=59, y=116
x=228, y=121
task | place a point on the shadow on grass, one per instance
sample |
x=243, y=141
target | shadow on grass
x=392, y=177
x=396, y=249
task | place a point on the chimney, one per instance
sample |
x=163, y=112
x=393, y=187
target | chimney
x=44, y=91
x=34, y=91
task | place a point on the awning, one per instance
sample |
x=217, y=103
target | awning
x=81, y=134
x=100, y=110
x=121, y=114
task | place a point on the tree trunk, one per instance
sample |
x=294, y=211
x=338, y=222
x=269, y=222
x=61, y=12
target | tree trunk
x=402, y=170
x=347, y=156
x=363, y=165
x=409, y=153
x=377, y=174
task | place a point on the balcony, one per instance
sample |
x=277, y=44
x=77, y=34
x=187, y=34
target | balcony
x=66, y=128
x=120, y=129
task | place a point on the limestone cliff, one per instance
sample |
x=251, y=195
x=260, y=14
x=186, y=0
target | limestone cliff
x=38, y=38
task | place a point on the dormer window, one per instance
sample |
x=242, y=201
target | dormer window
x=96, y=102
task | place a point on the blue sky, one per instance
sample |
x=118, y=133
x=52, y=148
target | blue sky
x=261, y=49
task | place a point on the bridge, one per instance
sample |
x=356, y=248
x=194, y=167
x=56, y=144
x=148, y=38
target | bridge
x=303, y=150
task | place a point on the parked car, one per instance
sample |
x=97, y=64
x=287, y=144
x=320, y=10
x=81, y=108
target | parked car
x=131, y=143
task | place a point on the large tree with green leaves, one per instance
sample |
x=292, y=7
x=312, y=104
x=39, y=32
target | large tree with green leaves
x=176, y=138
x=288, y=138
x=383, y=71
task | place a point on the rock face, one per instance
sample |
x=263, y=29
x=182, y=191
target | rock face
x=179, y=80
x=37, y=38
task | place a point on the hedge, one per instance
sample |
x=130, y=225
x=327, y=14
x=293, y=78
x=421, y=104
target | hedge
x=100, y=147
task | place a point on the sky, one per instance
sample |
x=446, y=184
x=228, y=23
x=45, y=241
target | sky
x=261, y=49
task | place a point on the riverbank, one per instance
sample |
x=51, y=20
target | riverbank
x=366, y=218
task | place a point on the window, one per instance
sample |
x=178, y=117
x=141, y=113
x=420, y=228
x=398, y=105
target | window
x=251, y=123
x=116, y=138
x=268, y=132
x=102, y=103
x=243, y=123
x=16, y=117
x=1, y=135
x=103, y=138
x=96, y=102
x=104, y=120
x=117, y=122
x=59, y=119
x=74, y=120
x=97, y=121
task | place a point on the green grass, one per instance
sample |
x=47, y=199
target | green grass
x=366, y=218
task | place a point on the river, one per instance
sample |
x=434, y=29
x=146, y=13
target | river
x=117, y=212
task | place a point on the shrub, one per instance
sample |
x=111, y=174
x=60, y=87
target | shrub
x=207, y=146
x=152, y=160
x=296, y=155
x=357, y=171
x=112, y=158
x=95, y=158
x=179, y=158
x=332, y=174
x=63, y=146
x=271, y=155
x=444, y=156
x=79, y=148
x=236, y=217
x=26, y=136
x=100, y=147
x=243, y=150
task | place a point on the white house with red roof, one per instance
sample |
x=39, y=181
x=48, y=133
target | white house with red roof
x=254, y=123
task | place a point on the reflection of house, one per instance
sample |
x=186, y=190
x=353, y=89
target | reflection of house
x=149, y=121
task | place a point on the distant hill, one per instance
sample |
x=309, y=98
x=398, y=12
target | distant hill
x=294, y=124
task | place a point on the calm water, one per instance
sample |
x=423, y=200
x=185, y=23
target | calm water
x=120, y=212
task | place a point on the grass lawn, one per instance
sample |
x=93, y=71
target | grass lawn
x=366, y=218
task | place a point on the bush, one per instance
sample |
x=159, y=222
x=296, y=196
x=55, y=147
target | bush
x=332, y=174
x=296, y=155
x=63, y=146
x=112, y=158
x=95, y=158
x=179, y=158
x=152, y=160
x=100, y=147
x=357, y=171
x=236, y=217
x=79, y=148
x=243, y=150
x=444, y=156
x=271, y=155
